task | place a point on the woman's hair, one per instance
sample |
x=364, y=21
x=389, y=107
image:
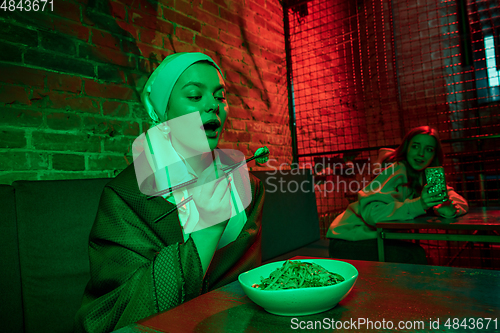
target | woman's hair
x=399, y=155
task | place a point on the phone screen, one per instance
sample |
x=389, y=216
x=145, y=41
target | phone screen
x=436, y=180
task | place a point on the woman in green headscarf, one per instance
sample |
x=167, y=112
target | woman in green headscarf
x=142, y=261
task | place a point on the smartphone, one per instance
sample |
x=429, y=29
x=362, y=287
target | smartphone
x=436, y=180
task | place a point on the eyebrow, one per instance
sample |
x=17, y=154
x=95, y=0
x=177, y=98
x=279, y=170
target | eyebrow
x=201, y=85
x=434, y=147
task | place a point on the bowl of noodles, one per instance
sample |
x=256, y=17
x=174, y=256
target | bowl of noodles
x=299, y=287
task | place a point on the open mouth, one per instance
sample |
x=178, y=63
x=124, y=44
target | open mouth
x=211, y=127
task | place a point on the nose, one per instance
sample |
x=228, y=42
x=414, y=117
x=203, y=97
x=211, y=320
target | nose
x=421, y=152
x=212, y=105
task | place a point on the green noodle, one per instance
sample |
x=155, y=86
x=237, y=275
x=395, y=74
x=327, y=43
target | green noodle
x=297, y=274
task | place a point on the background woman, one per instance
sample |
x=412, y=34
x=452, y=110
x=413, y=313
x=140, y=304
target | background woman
x=142, y=263
x=398, y=193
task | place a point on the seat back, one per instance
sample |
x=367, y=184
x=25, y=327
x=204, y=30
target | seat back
x=54, y=220
x=11, y=307
x=290, y=216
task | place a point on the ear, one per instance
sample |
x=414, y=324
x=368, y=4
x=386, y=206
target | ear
x=146, y=101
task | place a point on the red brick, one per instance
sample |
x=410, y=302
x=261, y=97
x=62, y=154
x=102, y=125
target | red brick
x=111, y=127
x=228, y=39
x=21, y=161
x=261, y=22
x=109, y=162
x=210, y=19
x=20, y=117
x=253, y=36
x=12, y=138
x=184, y=35
x=121, y=145
x=232, y=76
x=184, y=7
x=238, y=124
x=130, y=46
x=260, y=138
x=239, y=113
x=149, y=51
x=105, y=39
x=182, y=20
x=236, y=136
x=63, y=121
x=130, y=28
x=227, y=63
x=117, y=10
x=273, y=57
x=210, y=7
x=222, y=3
x=153, y=7
x=240, y=10
x=184, y=47
x=65, y=83
x=71, y=102
x=151, y=37
x=243, y=147
x=61, y=175
x=252, y=49
x=204, y=42
x=224, y=144
x=210, y=31
x=13, y=95
x=9, y=177
x=258, y=9
x=65, y=142
x=68, y=27
x=234, y=29
x=69, y=162
x=117, y=109
x=239, y=90
x=22, y=75
x=271, y=77
x=114, y=91
x=235, y=53
x=67, y=10
x=145, y=126
x=254, y=93
x=274, y=9
x=229, y=16
x=144, y=20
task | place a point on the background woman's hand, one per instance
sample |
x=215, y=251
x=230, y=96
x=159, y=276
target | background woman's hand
x=212, y=197
x=431, y=200
x=447, y=209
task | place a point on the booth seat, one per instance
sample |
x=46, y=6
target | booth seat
x=44, y=230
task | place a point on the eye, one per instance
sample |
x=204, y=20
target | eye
x=430, y=150
x=221, y=97
x=194, y=98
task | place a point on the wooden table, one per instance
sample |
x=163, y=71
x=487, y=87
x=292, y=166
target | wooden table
x=483, y=220
x=410, y=294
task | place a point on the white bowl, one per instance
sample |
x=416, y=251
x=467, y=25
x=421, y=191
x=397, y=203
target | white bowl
x=301, y=301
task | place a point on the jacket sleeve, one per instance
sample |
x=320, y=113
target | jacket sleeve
x=459, y=202
x=386, y=198
x=134, y=274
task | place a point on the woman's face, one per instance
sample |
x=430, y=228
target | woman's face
x=201, y=89
x=421, y=151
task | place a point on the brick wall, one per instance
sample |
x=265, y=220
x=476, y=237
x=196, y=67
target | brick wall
x=70, y=79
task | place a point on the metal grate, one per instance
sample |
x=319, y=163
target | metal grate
x=365, y=72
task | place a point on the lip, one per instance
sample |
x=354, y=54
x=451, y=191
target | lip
x=211, y=128
x=419, y=161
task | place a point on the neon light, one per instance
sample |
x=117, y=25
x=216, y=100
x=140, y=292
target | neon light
x=491, y=64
